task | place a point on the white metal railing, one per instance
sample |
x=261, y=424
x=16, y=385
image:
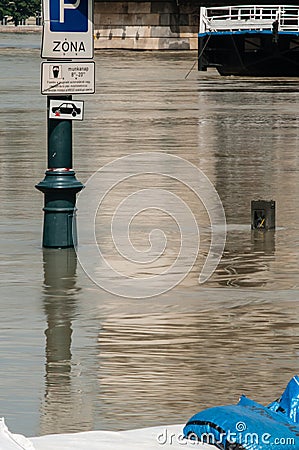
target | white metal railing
x=249, y=17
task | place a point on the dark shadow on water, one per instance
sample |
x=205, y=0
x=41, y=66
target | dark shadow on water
x=60, y=298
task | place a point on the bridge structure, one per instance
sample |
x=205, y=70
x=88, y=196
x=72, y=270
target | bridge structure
x=150, y=24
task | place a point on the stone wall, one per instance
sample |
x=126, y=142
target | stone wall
x=155, y=25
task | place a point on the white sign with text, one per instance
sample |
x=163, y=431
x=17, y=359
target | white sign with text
x=62, y=77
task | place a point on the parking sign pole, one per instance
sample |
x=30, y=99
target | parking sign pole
x=67, y=46
x=60, y=138
x=60, y=185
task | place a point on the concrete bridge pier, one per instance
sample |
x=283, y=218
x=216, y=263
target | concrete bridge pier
x=146, y=25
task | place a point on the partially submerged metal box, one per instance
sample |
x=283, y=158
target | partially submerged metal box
x=262, y=214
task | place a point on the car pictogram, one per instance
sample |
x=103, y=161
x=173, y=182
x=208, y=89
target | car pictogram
x=66, y=108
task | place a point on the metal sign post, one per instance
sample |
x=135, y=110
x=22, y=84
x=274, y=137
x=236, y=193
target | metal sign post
x=60, y=185
x=67, y=34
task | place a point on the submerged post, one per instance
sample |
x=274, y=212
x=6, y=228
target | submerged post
x=262, y=215
x=60, y=185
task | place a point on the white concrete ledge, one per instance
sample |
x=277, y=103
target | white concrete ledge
x=20, y=29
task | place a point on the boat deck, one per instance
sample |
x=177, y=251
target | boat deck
x=250, y=17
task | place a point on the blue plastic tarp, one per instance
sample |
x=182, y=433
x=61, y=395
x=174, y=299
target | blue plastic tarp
x=250, y=425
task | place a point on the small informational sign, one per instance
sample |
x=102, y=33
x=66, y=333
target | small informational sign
x=62, y=77
x=68, y=29
x=62, y=109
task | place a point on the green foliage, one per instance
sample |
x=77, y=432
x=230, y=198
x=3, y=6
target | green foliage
x=19, y=9
x=4, y=8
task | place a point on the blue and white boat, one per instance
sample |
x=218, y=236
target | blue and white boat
x=251, y=40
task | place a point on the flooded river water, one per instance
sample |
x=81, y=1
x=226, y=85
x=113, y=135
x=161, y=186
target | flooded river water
x=76, y=357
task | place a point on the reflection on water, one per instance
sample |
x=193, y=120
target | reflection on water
x=247, y=264
x=76, y=358
x=20, y=40
x=179, y=363
x=61, y=406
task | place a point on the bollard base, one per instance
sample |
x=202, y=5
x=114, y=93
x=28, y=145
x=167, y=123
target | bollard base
x=60, y=187
x=59, y=228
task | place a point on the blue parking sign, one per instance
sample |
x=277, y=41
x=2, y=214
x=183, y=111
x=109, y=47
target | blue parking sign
x=67, y=29
x=69, y=15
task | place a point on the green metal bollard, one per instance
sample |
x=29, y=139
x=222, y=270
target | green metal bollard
x=60, y=185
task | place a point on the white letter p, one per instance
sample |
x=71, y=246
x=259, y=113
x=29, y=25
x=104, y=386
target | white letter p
x=64, y=6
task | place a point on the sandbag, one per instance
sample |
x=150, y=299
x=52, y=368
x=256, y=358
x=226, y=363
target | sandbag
x=250, y=425
x=10, y=441
x=288, y=404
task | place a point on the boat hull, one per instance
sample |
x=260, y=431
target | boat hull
x=250, y=54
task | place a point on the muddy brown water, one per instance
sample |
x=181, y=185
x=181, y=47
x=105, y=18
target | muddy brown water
x=74, y=357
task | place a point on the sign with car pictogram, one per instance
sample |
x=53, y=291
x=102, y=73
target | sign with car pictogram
x=68, y=29
x=62, y=77
x=62, y=109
